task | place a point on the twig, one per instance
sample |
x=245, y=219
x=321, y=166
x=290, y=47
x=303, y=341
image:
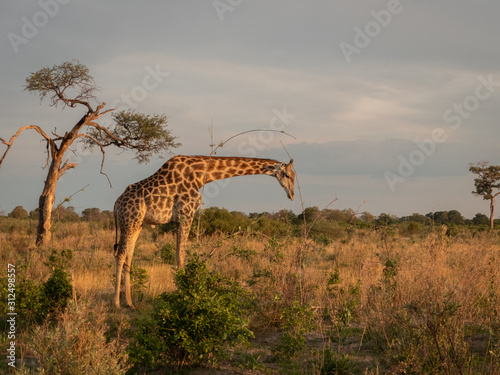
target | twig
x=102, y=152
x=355, y=213
x=67, y=199
x=214, y=151
x=249, y=131
x=211, y=131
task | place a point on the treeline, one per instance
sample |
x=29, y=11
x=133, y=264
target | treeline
x=64, y=214
x=325, y=225
x=321, y=224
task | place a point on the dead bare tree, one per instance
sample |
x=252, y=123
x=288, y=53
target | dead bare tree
x=70, y=85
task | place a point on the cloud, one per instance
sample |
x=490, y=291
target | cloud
x=374, y=158
x=352, y=121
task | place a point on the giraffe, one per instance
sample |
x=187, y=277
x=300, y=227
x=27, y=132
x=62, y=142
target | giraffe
x=172, y=195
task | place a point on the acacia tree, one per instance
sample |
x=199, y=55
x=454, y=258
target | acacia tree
x=70, y=85
x=487, y=181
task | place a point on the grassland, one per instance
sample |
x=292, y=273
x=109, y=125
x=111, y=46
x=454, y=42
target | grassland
x=369, y=300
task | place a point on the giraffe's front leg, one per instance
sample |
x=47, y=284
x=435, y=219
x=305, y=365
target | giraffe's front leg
x=183, y=228
x=185, y=207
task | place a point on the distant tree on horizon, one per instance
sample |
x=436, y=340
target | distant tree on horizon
x=367, y=217
x=91, y=214
x=385, y=219
x=480, y=219
x=18, y=213
x=309, y=214
x=439, y=217
x=455, y=217
x=69, y=85
x=416, y=217
x=65, y=213
x=486, y=183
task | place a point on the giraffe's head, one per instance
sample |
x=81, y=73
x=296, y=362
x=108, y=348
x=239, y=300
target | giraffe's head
x=286, y=177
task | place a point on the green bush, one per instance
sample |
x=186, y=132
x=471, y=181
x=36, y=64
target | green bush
x=35, y=302
x=28, y=300
x=57, y=291
x=167, y=253
x=337, y=364
x=220, y=220
x=343, y=302
x=138, y=278
x=410, y=228
x=296, y=321
x=327, y=230
x=194, y=324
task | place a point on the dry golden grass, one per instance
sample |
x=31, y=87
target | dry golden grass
x=466, y=265
x=160, y=279
x=432, y=270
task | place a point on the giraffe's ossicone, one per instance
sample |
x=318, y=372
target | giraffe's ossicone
x=172, y=194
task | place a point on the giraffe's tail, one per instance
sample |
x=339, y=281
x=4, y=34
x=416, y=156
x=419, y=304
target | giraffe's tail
x=116, y=233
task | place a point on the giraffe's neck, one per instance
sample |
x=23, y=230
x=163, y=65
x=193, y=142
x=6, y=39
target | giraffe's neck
x=219, y=168
x=205, y=169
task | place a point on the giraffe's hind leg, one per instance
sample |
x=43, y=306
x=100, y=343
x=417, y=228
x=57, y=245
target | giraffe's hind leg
x=120, y=260
x=127, y=268
x=123, y=256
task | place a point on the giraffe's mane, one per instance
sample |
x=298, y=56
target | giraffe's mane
x=241, y=158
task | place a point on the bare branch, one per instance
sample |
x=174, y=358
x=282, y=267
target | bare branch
x=73, y=102
x=250, y=131
x=19, y=131
x=99, y=108
x=355, y=213
x=48, y=156
x=102, y=151
x=117, y=141
x=284, y=147
x=58, y=137
x=65, y=167
x=67, y=199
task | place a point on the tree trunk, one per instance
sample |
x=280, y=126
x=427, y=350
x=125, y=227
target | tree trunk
x=56, y=170
x=46, y=203
x=492, y=211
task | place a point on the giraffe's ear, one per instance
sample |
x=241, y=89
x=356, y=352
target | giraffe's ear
x=291, y=162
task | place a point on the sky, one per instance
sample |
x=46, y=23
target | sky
x=383, y=104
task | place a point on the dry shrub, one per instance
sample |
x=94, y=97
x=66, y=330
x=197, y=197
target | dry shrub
x=422, y=312
x=77, y=344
